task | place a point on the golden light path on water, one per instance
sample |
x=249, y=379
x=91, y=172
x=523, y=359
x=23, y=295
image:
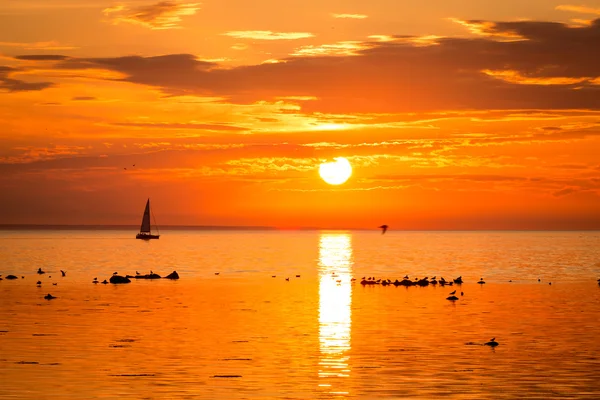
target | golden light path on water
x=335, y=314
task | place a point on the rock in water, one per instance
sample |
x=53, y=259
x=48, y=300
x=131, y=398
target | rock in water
x=119, y=279
x=147, y=276
x=10, y=277
x=172, y=275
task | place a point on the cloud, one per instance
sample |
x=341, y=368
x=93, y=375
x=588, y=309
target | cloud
x=552, y=66
x=515, y=77
x=161, y=15
x=42, y=57
x=487, y=28
x=579, y=9
x=31, y=154
x=348, y=48
x=268, y=35
x=189, y=125
x=9, y=84
x=350, y=16
x=566, y=191
x=51, y=45
x=83, y=98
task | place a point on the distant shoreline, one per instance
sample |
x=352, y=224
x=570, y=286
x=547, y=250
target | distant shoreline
x=25, y=227
x=41, y=227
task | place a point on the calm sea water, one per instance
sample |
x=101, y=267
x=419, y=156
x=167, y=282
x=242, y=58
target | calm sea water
x=250, y=333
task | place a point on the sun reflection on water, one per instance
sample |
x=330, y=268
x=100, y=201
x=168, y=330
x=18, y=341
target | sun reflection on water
x=335, y=299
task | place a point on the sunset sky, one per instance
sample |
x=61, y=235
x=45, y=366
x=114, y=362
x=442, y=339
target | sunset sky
x=464, y=114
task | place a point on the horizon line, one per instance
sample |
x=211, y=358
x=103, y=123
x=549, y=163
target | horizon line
x=263, y=228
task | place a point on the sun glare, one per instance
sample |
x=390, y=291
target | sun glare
x=336, y=172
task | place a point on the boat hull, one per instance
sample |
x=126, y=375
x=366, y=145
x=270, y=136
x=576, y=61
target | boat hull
x=146, y=236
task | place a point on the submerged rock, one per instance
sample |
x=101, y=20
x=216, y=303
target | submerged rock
x=172, y=275
x=119, y=279
x=148, y=276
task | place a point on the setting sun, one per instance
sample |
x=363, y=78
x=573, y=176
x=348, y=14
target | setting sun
x=336, y=172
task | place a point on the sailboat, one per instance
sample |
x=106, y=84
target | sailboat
x=145, y=230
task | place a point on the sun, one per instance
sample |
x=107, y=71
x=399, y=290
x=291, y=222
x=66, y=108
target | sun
x=336, y=172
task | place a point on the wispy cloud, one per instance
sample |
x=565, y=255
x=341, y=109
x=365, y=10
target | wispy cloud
x=9, y=84
x=187, y=125
x=50, y=45
x=515, y=77
x=269, y=35
x=579, y=9
x=348, y=48
x=264, y=164
x=161, y=15
x=350, y=16
x=83, y=98
x=42, y=57
x=488, y=29
x=31, y=154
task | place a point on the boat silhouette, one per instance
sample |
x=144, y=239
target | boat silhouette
x=145, y=229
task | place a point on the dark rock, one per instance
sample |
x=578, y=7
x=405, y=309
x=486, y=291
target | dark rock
x=119, y=279
x=10, y=277
x=49, y=297
x=148, y=276
x=172, y=275
x=452, y=298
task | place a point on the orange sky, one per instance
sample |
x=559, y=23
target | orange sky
x=454, y=115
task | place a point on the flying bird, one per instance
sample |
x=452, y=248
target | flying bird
x=383, y=229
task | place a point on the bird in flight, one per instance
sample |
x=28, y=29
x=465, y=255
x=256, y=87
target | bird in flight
x=383, y=229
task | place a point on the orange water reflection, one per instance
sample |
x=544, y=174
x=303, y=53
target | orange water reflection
x=335, y=314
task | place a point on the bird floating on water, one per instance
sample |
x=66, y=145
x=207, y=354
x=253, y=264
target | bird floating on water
x=49, y=297
x=384, y=229
x=492, y=343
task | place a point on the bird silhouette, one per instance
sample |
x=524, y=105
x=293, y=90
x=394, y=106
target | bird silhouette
x=63, y=272
x=453, y=292
x=384, y=229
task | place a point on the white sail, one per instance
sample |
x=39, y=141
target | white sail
x=145, y=228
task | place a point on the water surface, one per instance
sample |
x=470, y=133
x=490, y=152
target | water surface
x=246, y=334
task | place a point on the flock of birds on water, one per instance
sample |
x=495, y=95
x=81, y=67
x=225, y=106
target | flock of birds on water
x=115, y=278
x=365, y=281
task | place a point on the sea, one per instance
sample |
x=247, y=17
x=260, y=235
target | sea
x=269, y=314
